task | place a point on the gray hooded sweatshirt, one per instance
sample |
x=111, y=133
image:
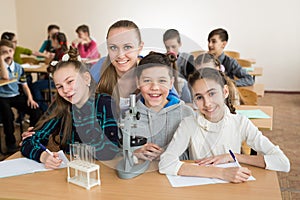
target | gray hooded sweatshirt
x=159, y=127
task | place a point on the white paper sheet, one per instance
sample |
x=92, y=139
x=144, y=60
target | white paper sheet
x=183, y=181
x=21, y=166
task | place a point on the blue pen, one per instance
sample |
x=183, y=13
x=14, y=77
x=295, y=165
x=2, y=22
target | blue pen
x=234, y=158
x=45, y=149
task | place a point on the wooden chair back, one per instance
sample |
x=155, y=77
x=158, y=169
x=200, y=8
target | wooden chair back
x=244, y=62
x=247, y=97
x=232, y=54
x=197, y=53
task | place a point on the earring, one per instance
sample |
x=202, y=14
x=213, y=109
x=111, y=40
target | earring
x=88, y=84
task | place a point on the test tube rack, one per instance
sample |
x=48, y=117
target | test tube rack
x=81, y=168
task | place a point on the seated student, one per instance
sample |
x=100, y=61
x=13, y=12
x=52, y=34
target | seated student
x=217, y=40
x=209, y=60
x=59, y=43
x=185, y=61
x=215, y=131
x=84, y=43
x=20, y=50
x=47, y=46
x=10, y=96
x=160, y=113
x=76, y=115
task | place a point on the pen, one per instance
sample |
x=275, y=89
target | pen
x=234, y=158
x=45, y=149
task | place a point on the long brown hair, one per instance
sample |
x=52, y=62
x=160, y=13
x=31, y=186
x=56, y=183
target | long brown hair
x=215, y=75
x=60, y=108
x=109, y=77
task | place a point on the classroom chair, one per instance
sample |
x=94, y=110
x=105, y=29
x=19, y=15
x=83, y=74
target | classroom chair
x=244, y=62
x=247, y=97
x=197, y=53
x=232, y=54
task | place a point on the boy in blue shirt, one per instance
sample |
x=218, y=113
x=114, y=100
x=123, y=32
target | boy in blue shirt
x=217, y=40
x=185, y=61
x=10, y=95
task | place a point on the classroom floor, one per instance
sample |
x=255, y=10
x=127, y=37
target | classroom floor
x=285, y=133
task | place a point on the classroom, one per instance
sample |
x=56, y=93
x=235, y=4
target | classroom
x=263, y=32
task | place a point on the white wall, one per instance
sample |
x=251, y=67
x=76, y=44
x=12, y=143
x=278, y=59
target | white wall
x=266, y=30
x=8, y=18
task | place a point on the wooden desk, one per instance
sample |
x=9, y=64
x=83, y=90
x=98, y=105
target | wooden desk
x=262, y=124
x=5, y=82
x=152, y=185
x=258, y=71
x=252, y=60
x=259, y=89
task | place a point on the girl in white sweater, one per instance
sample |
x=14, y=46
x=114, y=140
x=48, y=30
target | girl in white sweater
x=213, y=132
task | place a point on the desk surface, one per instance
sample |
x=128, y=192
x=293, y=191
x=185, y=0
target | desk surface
x=262, y=124
x=53, y=185
x=259, y=89
x=41, y=69
x=258, y=71
x=5, y=82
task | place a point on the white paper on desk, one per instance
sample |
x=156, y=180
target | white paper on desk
x=26, y=65
x=21, y=166
x=183, y=181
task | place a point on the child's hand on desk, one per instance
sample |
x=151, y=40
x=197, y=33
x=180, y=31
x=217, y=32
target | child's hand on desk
x=51, y=162
x=214, y=160
x=235, y=174
x=149, y=151
x=27, y=134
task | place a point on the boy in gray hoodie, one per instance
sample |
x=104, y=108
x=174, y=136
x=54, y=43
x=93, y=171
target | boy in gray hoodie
x=160, y=113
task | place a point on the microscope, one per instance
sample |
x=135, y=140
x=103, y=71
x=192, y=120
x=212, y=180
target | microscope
x=129, y=167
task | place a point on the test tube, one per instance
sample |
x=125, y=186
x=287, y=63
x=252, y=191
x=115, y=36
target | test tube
x=71, y=152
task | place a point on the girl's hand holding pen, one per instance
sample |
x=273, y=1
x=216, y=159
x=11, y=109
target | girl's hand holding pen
x=51, y=162
x=235, y=174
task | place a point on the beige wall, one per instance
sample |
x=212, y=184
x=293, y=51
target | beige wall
x=265, y=30
x=8, y=20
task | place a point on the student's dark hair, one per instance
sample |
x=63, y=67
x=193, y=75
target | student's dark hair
x=171, y=34
x=83, y=28
x=62, y=40
x=51, y=27
x=158, y=59
x=207, y=58
x=6, y=43
x=215, y=75
x=8, y=36
x=60, y=108
x=221, y=32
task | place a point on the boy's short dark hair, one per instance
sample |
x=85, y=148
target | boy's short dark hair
x=53, y=26
x=171, y=34
x=83, y=28
x=7, y=36
x=221, y=32
x=6, y=43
